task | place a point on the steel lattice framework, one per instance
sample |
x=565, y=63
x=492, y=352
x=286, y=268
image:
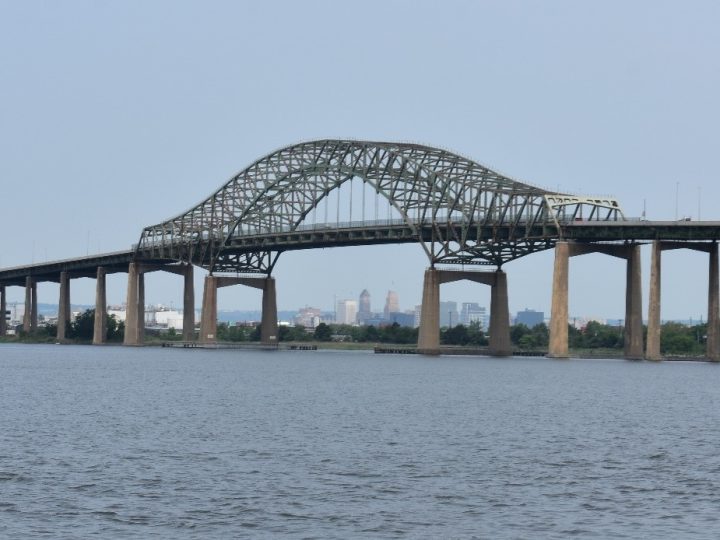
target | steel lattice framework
x=460, y=211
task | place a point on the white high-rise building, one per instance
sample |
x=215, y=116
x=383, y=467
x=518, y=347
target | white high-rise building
x=347, y=312
x=392, y=304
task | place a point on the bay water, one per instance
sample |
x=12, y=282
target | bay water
x=113, y=442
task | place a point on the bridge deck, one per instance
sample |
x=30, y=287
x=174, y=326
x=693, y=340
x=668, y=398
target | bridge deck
x=388, y=232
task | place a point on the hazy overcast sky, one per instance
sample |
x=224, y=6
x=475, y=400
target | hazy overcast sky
x=117, y=115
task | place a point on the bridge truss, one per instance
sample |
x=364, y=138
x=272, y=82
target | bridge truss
x=458, y=210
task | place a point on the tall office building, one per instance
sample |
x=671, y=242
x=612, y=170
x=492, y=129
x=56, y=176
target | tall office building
x=364, y=312
x=473, y=312
x=308, y=317
x=449, y=314
x=392, y=304
x=346, y=312
x=530, y=317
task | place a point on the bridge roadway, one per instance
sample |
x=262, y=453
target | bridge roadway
x=375, y=233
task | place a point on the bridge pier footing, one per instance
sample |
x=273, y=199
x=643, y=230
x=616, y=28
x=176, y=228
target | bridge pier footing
x=3, y=309
x=100, y=326
x=63, y=306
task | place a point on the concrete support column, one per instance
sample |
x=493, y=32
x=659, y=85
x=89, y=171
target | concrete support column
x=30, y=316
x=141, y=308
x=633, y=306
x=63, y=306
x=713, y=331
x=558, y=347
x=500, y=344
x=269, y=324
x=188, y=304
x=208, y=317
x=100, y=328
x=28, y=302
x=652, y=350
x=34, y=308
x=429, y=333
x=131, y=307
x=3, y=309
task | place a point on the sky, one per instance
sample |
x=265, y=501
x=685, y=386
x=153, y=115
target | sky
x=118, y=115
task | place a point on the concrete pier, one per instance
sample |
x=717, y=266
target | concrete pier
x=188, y=304
x=141, y=307
x=208, y=316
x=3, y=309
x=558, y=346
x=269, y=323
x=30, y=318
x=633, y=346
x=429, y=331
x=500, y=344
x=633, y=306
x=100, y=328
x=131, y=307
x=652, y=347
x=713, y=331
x=208, y=319
x=652, y=350
x=64, y=313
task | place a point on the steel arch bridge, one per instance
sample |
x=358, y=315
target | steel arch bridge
x=461, y=212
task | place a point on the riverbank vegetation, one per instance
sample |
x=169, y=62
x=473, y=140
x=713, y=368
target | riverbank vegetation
x=676, y=339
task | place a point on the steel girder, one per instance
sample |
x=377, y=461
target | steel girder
x=460, y=211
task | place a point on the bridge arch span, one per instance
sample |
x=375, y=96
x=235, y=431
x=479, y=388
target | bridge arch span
x=452, y=205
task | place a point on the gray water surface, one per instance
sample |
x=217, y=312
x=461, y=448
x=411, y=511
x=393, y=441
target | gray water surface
x=113, y=442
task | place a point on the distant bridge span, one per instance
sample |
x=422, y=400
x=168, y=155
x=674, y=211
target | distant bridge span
x=332, y=193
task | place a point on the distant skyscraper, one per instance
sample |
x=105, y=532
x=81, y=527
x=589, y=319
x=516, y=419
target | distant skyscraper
x=530, y=317
x=392, y=304
x=449, y=314
x=308, y=317
x=473, y=312
x=346, y=312
x=364, y=312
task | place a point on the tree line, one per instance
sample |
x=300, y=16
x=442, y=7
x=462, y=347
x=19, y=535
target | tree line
x=675, y=338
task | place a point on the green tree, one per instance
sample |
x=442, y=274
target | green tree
x=323, y=332
x=457, y=335
x=83, y=327
x=517, y=332
x=369, y=334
